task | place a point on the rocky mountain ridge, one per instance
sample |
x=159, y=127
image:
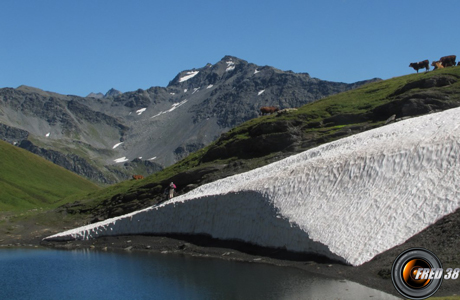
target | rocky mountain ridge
x=107, y=139
x=110, y=93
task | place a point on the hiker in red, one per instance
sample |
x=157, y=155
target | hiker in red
x=172, y=187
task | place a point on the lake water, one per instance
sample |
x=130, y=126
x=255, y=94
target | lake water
x=84, y=274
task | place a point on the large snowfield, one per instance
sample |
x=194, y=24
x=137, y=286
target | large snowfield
x=348, y=200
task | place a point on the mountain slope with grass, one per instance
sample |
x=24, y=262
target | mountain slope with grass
x=28, y=181
x=266, y=139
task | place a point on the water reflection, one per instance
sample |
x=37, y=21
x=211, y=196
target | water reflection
x=86, y=274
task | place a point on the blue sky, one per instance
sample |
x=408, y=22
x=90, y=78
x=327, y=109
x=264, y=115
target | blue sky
x=78, y=47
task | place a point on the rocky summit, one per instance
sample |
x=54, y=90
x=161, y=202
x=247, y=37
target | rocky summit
x=107, y=138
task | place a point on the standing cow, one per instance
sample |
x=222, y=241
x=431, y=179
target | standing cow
x=420, y=65
x=268, y=110
x=448, y=61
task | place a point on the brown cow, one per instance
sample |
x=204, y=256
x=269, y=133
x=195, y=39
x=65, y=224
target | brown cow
x=137, y=177
x=448, y=61
x=437, y=65
x=268, y=109
x=420, y=65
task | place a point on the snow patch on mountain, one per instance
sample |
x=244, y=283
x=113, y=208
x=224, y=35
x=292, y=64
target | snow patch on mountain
x=189, y=75
x=230, y=66
x=121, y=159
x=116, y=145
x=173, y=107
x=140, y=111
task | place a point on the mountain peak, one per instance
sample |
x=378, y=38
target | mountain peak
x=95, y=95
x=209, y=73
x=112, y=93
x=232, y=58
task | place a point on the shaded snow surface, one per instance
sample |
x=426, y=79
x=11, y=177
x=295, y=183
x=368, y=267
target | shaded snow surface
x=349, y=200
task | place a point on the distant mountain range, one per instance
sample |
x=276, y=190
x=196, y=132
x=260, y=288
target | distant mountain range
x=111, y=93
x=107, y=138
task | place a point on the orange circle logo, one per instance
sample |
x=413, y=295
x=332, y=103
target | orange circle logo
x=410, y=270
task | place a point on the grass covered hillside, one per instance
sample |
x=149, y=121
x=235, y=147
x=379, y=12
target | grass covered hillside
x=269, y=138
x=29, y=181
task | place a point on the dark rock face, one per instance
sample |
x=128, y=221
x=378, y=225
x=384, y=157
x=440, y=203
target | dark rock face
x=12, y=135
x=434, y=81
x=418, y=98
x=183, y=151
x=99, y=136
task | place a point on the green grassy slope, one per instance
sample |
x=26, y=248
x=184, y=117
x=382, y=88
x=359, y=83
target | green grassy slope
x=28, y=181
x=269, y=138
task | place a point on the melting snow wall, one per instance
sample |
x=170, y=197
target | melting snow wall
x=349, y=200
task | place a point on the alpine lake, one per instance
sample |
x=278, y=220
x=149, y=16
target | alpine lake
x=86, y=274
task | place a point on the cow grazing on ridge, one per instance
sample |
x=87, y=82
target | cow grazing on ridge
x=420, y=65
x=138, y=177
x=437, y=65
x=448, y=61
x=268, y=109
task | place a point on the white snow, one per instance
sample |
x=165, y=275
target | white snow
x=256, y=71
x=48, y=134
x=230, y=66
x=152, y=158
x=195, y=90
x=158, y=114
x=140, y=111
x=260, y=92
x=116, y=145
x=173, y=107
x=189, y=75
x=185, y=90
x=349, y=200
x=176, y=105
x=172, y=94
x=121, y=159
x=210, y=86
